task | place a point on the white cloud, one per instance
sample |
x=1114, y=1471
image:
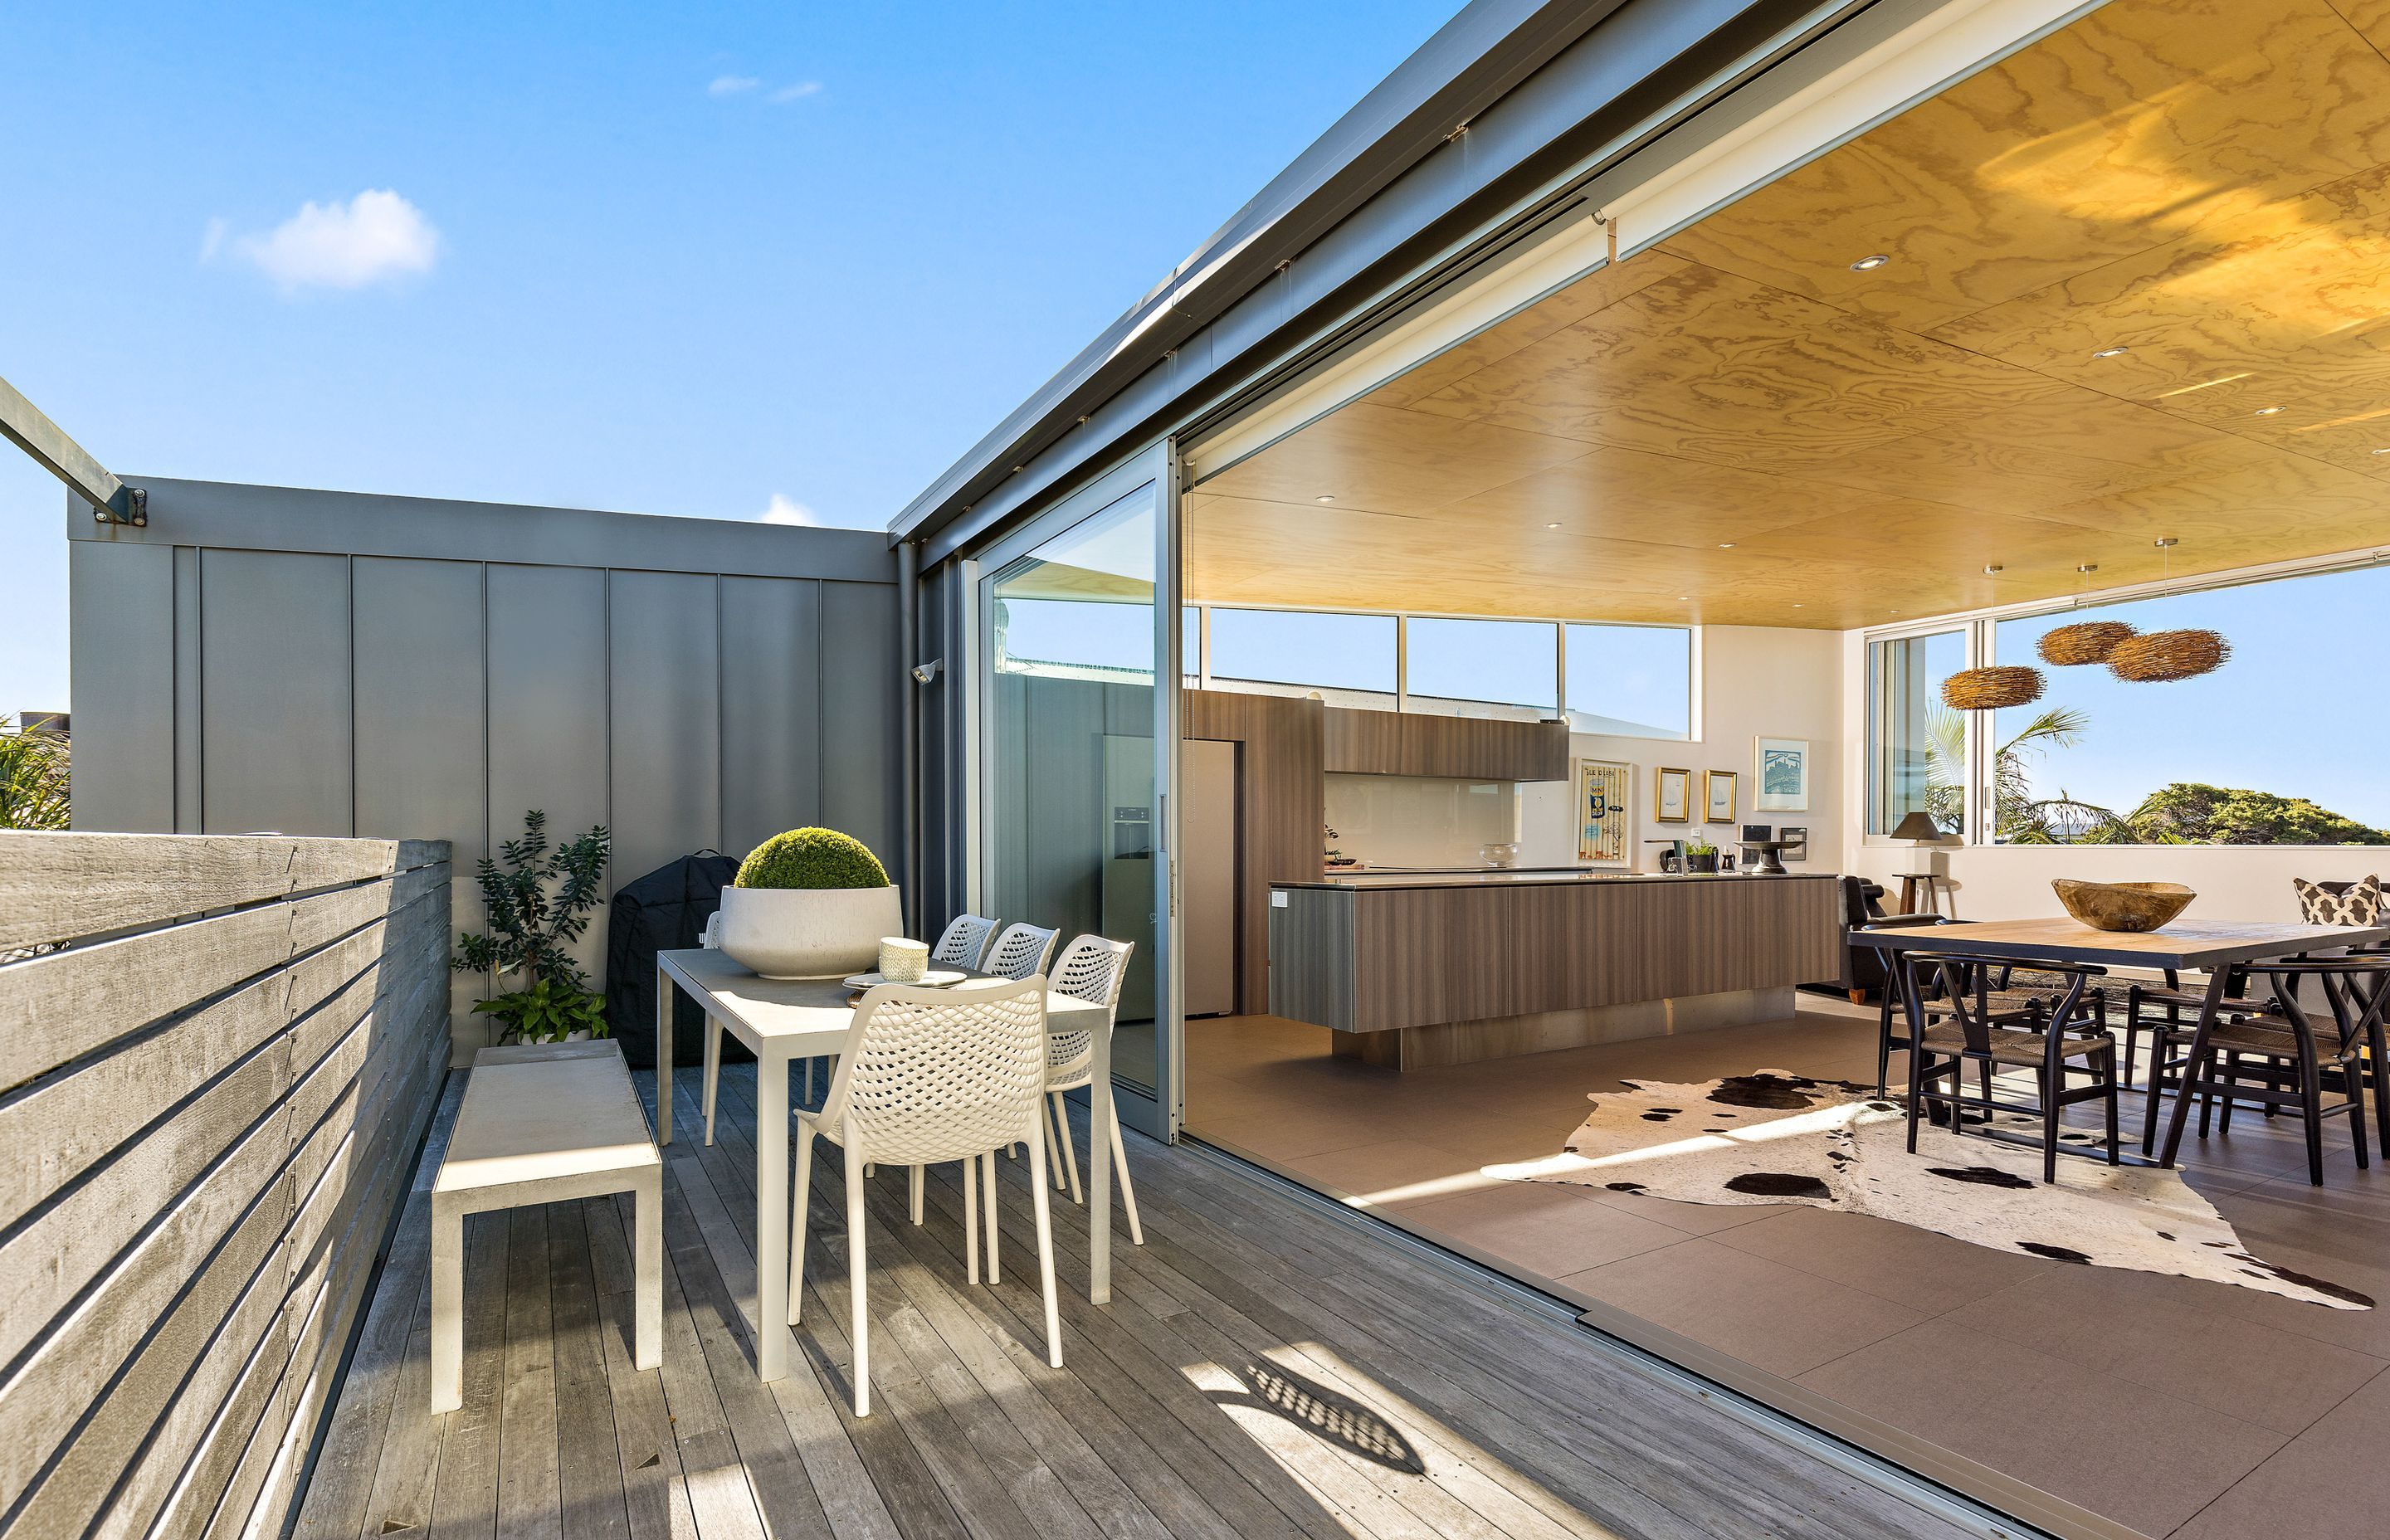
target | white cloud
x=730, y=85
x=376, y=235
x=784, y=510
x=798, y=92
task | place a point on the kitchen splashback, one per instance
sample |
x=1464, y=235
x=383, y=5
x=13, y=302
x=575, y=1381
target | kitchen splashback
x=1417, y=821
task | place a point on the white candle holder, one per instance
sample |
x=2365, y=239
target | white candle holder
x=903, y=960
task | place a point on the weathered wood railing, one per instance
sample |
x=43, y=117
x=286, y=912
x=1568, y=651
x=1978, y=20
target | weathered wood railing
x=217, y=1057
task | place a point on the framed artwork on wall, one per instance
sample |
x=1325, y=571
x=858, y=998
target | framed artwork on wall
x=1672, y=796
x=1717, y=796
x=1797, y=848
x=1781, y=772
x=1604, y=813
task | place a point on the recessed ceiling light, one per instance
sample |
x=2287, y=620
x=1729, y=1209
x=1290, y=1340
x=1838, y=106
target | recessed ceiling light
x=2111, y=353
x=1725, y=545
x=2265, y=411
x=2384, y=451
x=1323, y=497
x=1868, y=264
x=1551, y=526
x=1684, y=599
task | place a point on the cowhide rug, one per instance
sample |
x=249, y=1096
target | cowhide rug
x=1777, y=1137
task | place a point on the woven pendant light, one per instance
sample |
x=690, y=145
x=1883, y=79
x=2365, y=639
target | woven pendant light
x=2162, y=656
x=2086, y=641
x=1991, y=690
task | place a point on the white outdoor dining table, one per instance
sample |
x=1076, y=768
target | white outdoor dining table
x=783, y=1021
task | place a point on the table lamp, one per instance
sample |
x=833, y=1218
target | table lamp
x=1918, y=827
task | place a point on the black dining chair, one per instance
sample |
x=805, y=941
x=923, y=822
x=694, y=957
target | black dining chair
x=1892, y=1029
x=2274, y=1054
x=2054, y=1041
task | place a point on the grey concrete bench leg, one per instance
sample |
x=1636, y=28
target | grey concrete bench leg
x=648, y=1270
x=448, y=1305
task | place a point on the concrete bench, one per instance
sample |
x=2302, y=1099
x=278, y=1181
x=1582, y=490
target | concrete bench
x=544, y=1122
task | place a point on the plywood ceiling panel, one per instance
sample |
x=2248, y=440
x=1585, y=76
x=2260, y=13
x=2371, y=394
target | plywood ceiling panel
x=1739, y=429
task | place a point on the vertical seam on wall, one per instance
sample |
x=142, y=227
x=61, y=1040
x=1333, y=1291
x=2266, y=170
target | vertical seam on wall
x=821, y=701
x=606, y=612
x=485, y=732
x=720, y=840
x=351, y=566
x=200, y=682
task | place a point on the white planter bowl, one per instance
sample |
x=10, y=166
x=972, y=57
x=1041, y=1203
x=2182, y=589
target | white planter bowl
x=808, y=932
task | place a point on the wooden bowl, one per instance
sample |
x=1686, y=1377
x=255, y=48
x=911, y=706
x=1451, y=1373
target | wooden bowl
x=2132, y=906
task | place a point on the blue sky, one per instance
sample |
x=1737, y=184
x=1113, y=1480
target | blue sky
x=676, y=260
x=2292, y=712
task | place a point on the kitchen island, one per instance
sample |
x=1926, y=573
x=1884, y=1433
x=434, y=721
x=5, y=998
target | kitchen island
x=1418, y=970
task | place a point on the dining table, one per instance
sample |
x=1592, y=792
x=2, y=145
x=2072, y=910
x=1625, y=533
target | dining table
x=783, y=1022
x=2216, y=948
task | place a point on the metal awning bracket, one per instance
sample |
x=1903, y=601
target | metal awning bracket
x=26, y=426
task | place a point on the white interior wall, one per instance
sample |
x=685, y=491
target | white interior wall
x=1756, y=681
x=2234, y=882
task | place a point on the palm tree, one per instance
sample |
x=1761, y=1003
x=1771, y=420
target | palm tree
x=2017, y=815
x=33, y=780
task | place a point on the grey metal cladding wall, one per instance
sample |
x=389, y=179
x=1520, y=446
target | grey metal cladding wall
x=665, y=677
x=862, y=759
x=274, y=673
x=122, y=599
x=402, y=674
x=771, y=708
x=549, y=705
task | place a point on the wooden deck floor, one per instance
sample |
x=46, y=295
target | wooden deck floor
x=1260, y=1372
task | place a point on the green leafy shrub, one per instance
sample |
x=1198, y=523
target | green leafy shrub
x=539, y=901
x=812, y=858
x=33, y=780
x=547, y=1013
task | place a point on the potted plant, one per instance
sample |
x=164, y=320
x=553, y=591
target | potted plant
x=1701, y=856
x=809, y=904
x=538, y=902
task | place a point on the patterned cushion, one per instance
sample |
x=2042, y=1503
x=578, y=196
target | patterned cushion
x=2360, y=904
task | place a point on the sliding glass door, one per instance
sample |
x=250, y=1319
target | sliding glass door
x=1073, y=830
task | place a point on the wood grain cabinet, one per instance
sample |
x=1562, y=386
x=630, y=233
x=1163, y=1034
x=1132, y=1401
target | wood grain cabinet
x=1462, y=747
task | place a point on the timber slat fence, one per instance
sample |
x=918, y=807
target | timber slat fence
x=217, y=1057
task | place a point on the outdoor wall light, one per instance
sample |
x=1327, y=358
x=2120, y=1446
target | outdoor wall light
x=924, y=673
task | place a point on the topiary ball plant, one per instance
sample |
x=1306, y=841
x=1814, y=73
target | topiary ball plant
x=812, y=858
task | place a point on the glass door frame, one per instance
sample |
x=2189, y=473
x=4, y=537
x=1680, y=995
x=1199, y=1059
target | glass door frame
x=1156, y=1113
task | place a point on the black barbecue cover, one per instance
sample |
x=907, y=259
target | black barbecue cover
x=663, y=910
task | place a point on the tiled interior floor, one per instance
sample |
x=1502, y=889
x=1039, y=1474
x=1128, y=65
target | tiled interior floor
x=2173, y=1406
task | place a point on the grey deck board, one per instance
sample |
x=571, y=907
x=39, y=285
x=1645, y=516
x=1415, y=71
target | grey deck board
x=1155, y=1429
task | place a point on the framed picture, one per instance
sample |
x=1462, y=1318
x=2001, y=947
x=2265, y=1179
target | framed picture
x=1672, y=796
x=1717, y=795
x=1604, y=813
x=1799, y=848
x=1782, y=772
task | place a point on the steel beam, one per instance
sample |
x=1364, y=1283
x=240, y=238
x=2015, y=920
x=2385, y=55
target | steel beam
x=30, y=429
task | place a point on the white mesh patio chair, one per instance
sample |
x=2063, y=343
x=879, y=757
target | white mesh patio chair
x=927, y=1076
x=965, y=943
x=1092, y=969
x=1022, y=952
